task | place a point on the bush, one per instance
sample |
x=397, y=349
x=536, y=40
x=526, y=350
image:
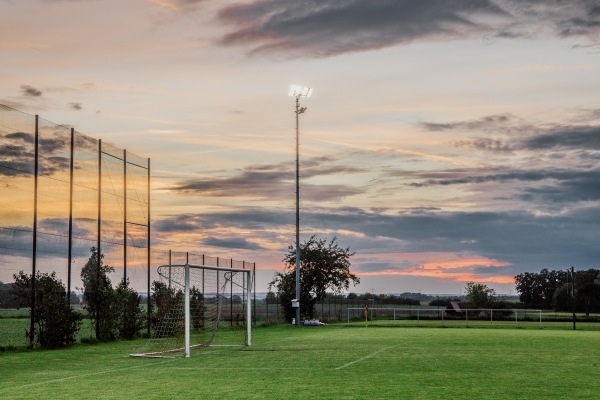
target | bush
x=56, y=322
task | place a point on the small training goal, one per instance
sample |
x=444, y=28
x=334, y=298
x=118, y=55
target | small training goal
x=189, y=304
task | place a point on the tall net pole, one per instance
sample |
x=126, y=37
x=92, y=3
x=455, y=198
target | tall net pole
x=298, y=210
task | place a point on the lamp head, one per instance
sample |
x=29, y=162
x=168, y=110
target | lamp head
x=300, y=91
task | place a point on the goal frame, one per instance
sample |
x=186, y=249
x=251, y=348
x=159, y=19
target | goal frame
x=187, y=309
x=248, y=290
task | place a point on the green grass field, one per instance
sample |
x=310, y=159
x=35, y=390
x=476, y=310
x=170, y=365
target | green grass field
x=326, y=362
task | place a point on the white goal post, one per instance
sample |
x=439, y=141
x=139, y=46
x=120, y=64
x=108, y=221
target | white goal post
x=191, y=301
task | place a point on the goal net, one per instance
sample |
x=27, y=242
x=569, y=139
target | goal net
x=191, y=302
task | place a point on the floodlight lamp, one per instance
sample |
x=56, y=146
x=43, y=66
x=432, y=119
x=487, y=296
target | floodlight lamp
x=300, y=91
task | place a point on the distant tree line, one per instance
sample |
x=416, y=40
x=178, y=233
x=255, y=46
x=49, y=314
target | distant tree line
x=559, y=290
x=372, y=298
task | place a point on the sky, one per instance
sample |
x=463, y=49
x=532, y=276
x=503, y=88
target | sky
x=446, y=141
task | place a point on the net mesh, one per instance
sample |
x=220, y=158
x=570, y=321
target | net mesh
x=216, y=298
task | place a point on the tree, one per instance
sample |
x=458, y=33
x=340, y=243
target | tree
x=99, y=297
x=129, y=315
x=324, y=266
x=55, y=320
x=586, y=291
x=479, y=295
x=537, y=289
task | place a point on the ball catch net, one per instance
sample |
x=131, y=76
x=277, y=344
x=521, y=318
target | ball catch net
x=191, y=302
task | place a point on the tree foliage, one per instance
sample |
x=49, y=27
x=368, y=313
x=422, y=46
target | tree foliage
x=115, y=312
x=324, y=266
x=162, y=301
x=536, y=290
x=405, y=299
x=480, y=295
x=130, y=317
x=99, y=297
x=585, y=292
x=56, y=322
x=197, y=308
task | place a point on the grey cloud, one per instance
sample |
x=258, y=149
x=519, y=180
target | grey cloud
x=319, y=29
x=486, y=144
x=587, y=137
x=518, y=237
x=17, y=154
x=526, y=241
x=17, y=149
x=250, y=218
x=232, y=243
x=466, y=176
x=581, y=187
x=30, y=91
x=547, y=189
x=273, y=182
x=578, y=137
x=322, y=29
x=486, y=122
x=179, y=223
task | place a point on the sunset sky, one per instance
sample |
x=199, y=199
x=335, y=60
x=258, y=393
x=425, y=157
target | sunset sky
x=446, y=141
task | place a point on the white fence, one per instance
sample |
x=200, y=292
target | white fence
x=372, y=315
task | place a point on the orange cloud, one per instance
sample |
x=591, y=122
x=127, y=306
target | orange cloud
x=444, y=266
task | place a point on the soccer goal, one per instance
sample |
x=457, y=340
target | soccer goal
x=190, y=302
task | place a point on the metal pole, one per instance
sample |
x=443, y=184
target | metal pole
x=169, y=269
x=149, y=316
x=187, y=310
x=249, y=311
x=298, y=263
x=254, y=297
x=124, y=215
x=34, y=246
x=231, y=294
x=99, y=254
x=70, y=251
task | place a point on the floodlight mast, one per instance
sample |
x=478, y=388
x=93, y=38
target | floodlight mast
x=298, y=92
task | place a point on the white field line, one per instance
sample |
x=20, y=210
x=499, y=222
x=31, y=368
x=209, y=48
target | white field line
x=367, y=356
x=67, y=378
